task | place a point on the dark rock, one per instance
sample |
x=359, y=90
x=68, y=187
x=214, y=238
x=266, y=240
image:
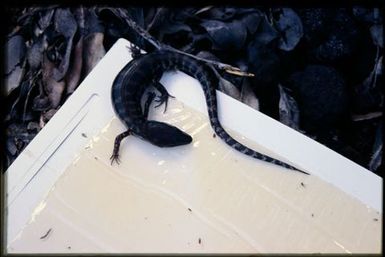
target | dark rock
x=322, y=96
x=336, y=140
x=368, y=15
x=316, y=23
x=340, y=42
x=264, y=63
x=360, y=64
x=330, y=34
x=361, y=136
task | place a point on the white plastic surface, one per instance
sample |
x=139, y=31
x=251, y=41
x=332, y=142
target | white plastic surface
x=39, y=166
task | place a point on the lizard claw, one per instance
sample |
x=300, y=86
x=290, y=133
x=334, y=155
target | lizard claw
x=135, y=51
x=163, y=99
x=115, y=157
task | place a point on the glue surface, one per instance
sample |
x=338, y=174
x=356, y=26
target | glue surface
x=201, y=197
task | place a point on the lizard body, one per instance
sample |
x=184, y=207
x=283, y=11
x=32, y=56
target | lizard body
x=129, y=87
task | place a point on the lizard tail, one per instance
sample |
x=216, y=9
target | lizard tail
x=246, y=150
x=208, y=79
x=211, y=99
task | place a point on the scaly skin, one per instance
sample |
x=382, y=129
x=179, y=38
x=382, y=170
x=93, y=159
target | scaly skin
x=128, y=89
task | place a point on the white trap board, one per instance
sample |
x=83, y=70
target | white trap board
x=32, y=178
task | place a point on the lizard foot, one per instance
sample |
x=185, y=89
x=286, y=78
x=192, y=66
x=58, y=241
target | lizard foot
x=115, y=158
x=163, y=99
x=135, y=51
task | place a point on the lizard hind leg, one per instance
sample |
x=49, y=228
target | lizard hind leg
x=165, y=135
x=164, y=95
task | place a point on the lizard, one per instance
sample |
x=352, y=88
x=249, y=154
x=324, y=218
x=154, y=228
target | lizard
x=145, y=71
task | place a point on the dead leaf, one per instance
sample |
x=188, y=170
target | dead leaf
x=368, y=116
x=229, y=89
x=65, y=24
x=93, y=51
x=53, y=88
x=376, y=158
x=14, y=79
x=15, y=51
x=248, y=96
x=290, y=27
x=36, y=51
x=75, y=69
x=288, y=109
x=377, y=33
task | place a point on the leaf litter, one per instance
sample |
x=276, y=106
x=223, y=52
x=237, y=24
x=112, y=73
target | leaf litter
x=51, y=49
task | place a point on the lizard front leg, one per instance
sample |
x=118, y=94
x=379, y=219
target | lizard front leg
x=118, y=140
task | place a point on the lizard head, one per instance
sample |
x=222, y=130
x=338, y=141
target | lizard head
x=164, y=135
